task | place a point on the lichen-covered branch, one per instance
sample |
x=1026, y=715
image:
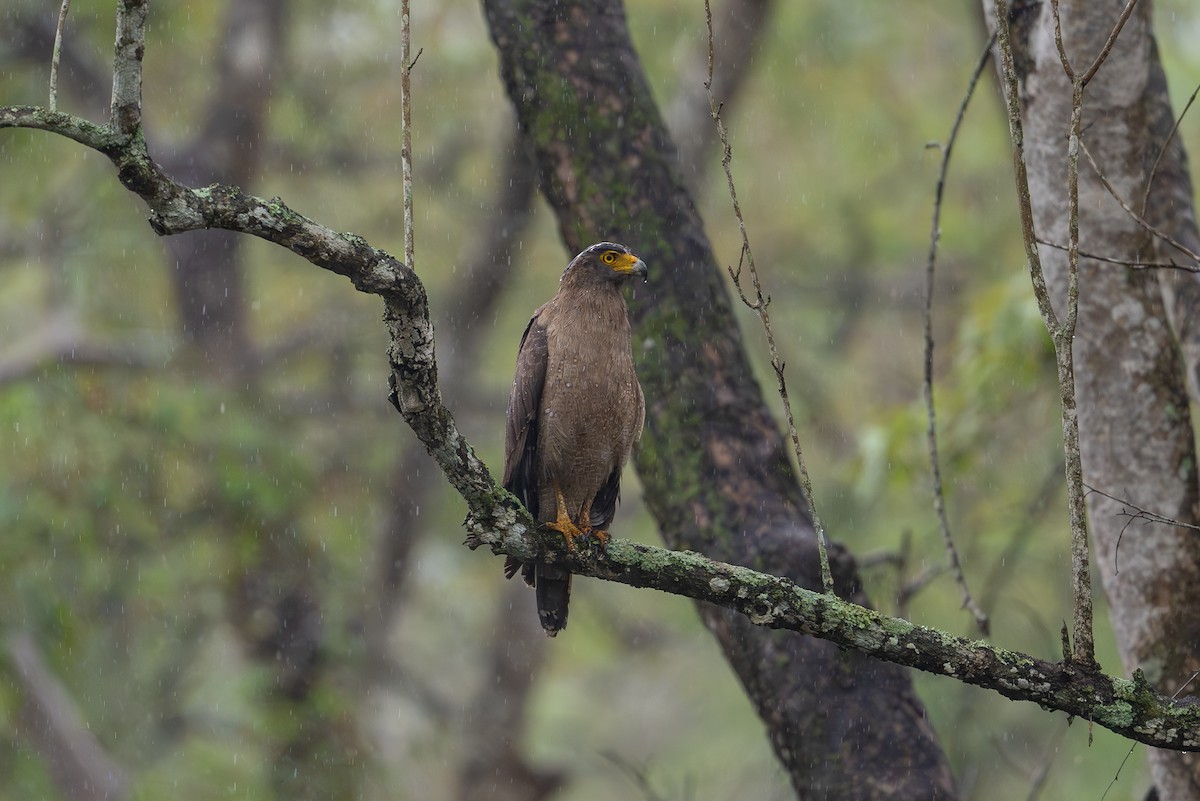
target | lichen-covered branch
x=129, y=48
x=1131, y=708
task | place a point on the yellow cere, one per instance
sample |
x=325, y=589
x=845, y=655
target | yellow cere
x=622, y=262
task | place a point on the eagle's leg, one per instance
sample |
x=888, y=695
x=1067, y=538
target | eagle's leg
x=563, y=523
x=585, y=517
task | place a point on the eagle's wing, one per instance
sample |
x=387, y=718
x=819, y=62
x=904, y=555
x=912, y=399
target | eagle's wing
x=521, y=434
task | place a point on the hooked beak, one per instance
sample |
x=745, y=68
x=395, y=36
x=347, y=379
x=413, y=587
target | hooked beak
x=638, y=267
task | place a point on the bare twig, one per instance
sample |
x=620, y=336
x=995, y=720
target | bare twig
x=1143, y=514
x=738, y=25
x=1083, y=80
x=1133, y=215
x=935, y=233
x=1038, y=780
x=406, y=129
x=1061, y=334
x=906, y=587
x=56, y=56
x=1058, y=43
x=759, y=307
x=909, y=588
x=1102, y=56
x=636, y=773
x=1166, y=146
x=1135, y=265
x=1024, y=527
x=75, y=760
x=1117, y=776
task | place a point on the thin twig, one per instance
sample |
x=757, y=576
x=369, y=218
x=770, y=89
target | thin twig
x=1062, y=335
x=1108, y=45
x=406, y=130
x=935, y=233
x=1063, y=344
x=1165, y=147
x=638, y=775
x=56, y=56
x=1050, y=752
x=1083, y=80
x=759, y=307
x=1058, y=42
x=909, y=589
x=1133, y=215
x=1116, y=777
x=1134, y=265
x=1142, y=513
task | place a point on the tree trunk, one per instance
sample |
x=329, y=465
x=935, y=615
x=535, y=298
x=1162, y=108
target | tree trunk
x=1136, y=435
x=206, y=268
x=714, y=466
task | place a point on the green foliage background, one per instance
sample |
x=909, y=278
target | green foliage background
x=133, y=501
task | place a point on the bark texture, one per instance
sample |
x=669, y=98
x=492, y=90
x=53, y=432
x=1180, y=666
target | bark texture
x=715, y=468
x=1136, y=437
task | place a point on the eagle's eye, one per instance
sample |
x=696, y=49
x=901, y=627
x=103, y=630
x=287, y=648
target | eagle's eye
x=609, y=257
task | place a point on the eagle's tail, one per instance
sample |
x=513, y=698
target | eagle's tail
x=553, y=591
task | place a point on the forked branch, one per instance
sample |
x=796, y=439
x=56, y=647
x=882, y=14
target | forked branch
x=1062, y=333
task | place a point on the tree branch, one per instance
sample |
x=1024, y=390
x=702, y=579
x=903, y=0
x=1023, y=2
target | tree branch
x=935, y=234
x=1131, y=708
x=130, y=47
x=759, y=307
x=76, y=761
x=1062, y=331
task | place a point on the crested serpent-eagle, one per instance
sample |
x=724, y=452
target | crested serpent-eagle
x=575, y=412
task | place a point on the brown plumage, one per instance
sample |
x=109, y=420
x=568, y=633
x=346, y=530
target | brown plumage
x=575, y=412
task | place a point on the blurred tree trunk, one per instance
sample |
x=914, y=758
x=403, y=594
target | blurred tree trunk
x=1136, y=432
x=737, y=30
x=715, y=468
x=274, y=603
x=74, y=757
x=206, y=265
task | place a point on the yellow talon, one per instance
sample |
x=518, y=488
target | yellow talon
x=563, y=524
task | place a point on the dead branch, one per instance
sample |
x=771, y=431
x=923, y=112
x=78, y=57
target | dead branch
x=935, y=233
x=1062, y=334
x=759, y=307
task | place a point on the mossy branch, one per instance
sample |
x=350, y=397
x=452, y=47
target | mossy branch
x=495, y=518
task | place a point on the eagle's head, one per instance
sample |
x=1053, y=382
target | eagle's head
x=606, y=262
